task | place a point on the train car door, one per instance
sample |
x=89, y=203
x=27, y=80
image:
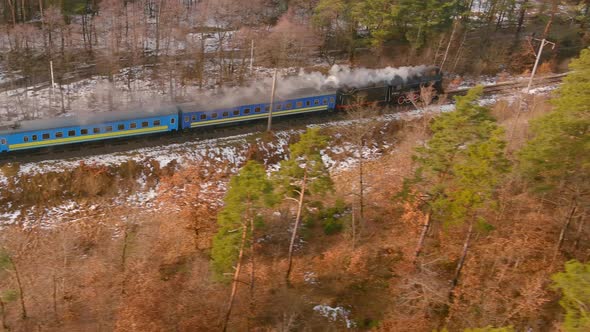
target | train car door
x=3, y=144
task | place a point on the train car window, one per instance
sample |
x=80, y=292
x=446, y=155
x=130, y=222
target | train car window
x=267, y=108
x=325, y=101
x=84, y=132
x=3, y=141
x=316, y=102
x=299, y=104
x=144, y=124
x=26, y=138
x=34, y=137
x=331, y=99
x=121, y=127
x=257, y=110
x=246, y=111
x=108, y=129
x=308, y=103
x=45, y=136
x=133, y=125
x=193, y=118
x=279, y=107
x=157, y=122
x=71, y=133
x=203, y=116
x=225, y=114
x=236, y=112
x=59, y=134
x=289, y=106
x=172, y=120
x=96, y=130
x=187, y=118
x=214, y=116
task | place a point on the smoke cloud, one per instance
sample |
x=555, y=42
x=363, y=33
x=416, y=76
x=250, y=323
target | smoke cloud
x=305, y=84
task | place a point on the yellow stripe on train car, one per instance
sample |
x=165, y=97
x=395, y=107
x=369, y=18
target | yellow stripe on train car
x=87, y=137
x=262, y=115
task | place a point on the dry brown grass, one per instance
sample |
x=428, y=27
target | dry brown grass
x=515, y=117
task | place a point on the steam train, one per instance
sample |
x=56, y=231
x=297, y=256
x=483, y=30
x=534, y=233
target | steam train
x=36, y=134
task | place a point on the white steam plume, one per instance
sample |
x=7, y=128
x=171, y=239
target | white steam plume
x=305, y=84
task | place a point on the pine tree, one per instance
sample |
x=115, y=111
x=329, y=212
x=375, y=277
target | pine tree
x=304, y=174
x=476, y=176
x=248, y=191
x=454, y=136
x=379, y=17
x=574, y=284
x=458, y=171
x=557, y=160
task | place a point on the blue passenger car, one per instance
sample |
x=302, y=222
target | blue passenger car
x=194, y=116
x=77, y=129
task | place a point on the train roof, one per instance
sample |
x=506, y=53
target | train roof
x=84, y=120
x=226, y=101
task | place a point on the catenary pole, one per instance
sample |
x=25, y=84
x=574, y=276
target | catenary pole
x=52, y=78
x=252, y=56
x=272, y=100
x=543, y=43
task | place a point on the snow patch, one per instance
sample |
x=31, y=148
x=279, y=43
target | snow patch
x=9, y=218
x=310, y=278
x=335, y=314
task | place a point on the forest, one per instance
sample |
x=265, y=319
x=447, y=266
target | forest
x=172, y=50
x=470, y=217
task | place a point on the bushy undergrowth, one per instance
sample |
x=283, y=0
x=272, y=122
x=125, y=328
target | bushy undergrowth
x=84, y=182
x=332, y=219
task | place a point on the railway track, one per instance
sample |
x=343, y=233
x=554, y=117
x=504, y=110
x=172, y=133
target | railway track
x=128, y=144
x=509, y=87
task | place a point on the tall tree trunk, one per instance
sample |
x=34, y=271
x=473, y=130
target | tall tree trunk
x=3, y=315
x=12, y=12
x=442, y=64
x=55, y=296
x=20, y=290
x=361, y=218
x=458, y=55
x=23, y=11
x=425, y=227
x=579, y=231
x=252, y=269
x=566, y=225
x=297, y=219
x=235, y=281
x=461, y=260
x=521, y=16
x=61, y=93
x=551, y=18
x=158, y=28
x=124, y=258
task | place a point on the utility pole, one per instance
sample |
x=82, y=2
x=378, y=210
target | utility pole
x=52, y=91
x=272, y=100
x=52, y=78
x=543, y=43
x=252, y=56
